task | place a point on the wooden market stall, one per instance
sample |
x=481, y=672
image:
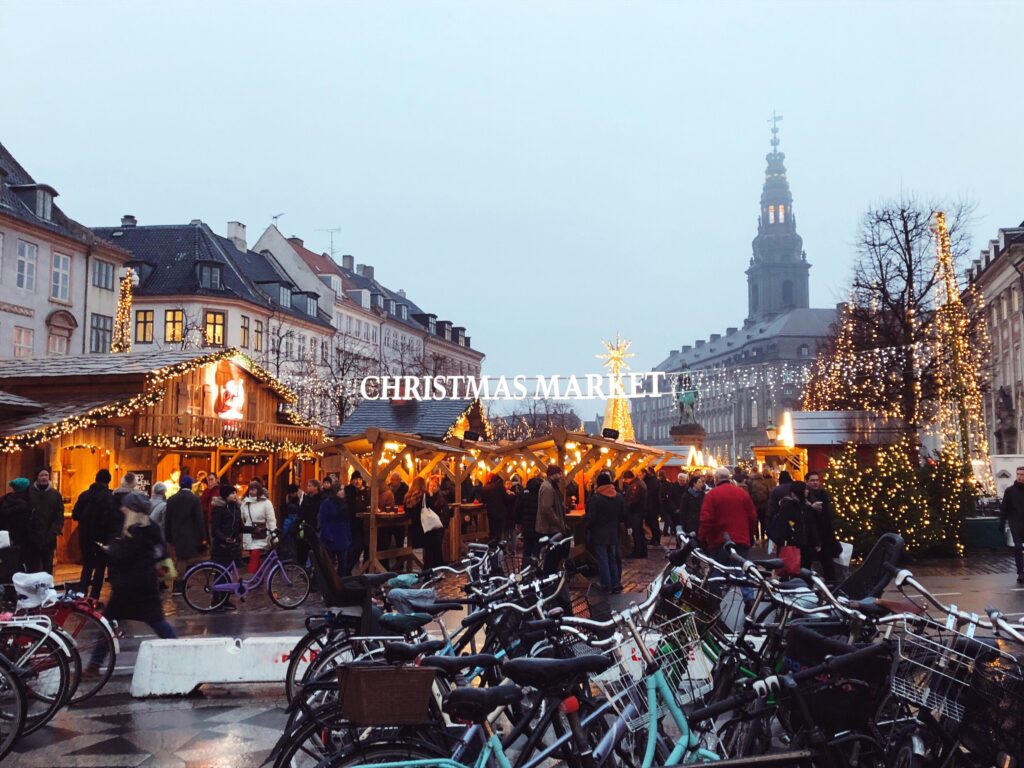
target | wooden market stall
x=377, y=454
x=157, y=414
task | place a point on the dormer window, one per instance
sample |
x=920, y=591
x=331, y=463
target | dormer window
x=209, y=277
x=285, y=296
x=44, y=204
x=432, y=324
x=311, y=306
x=391, y=306
x=405, y=311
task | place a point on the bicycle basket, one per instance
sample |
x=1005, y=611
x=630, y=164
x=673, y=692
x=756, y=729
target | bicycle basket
x=994, y=715
x=691, y=598
x=375, y=695
x=934, y=667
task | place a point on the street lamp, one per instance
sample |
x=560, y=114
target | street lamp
x=770, y=430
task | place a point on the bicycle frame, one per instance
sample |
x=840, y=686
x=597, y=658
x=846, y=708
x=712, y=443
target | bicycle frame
x=240, y=586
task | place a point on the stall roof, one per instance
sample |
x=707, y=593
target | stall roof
x=430, y=419
x=54, y=412
x=363, y=442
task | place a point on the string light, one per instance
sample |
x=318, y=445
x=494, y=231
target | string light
x=121, y=340
x=214, y=441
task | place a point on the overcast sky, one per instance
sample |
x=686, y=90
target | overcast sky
x=543, y=173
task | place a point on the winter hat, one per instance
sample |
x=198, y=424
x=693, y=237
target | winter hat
x=628, y=475
x=226, y=490
x=19, y=484
x=356, y=474
x=292, y=488
x=785, y=477
x=604, y=479
x=103, y=476
x=136, y=502
x=185, y=481
x=553, y=469
x=159, y=489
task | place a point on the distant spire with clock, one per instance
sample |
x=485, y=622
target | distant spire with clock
x=777, y=278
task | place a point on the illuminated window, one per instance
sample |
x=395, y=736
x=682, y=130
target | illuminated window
x=60, y=277
x=26, y=265
x=23, y=338
x=244, y=342
x=144, y=326
x=213, y=333
x=257, y=341
x=174, y=326
x=782, y=214
x=771, y=214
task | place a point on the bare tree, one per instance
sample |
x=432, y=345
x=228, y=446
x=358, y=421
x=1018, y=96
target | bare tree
x=193, y=330
x=536, y=417
x=891, y=322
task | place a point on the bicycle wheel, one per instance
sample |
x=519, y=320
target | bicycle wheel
x=198, y=587
x=288, y=585
x=40, y=659
x=382, y=752
x=305, y=652
x=74, y=660
x=94, y=639
x=13, y=703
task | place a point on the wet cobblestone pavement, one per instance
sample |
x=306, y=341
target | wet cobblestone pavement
x=237, y=726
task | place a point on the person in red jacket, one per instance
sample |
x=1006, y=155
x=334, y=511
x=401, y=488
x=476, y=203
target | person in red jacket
x=727, y=508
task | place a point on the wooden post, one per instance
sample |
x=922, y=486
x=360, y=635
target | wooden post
x=375, y=564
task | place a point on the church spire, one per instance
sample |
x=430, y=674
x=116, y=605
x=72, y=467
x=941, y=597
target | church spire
x=777, y=277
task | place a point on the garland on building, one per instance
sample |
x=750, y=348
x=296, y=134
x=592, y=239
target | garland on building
x=184, y=442
x=121, y=340
x=161, y=375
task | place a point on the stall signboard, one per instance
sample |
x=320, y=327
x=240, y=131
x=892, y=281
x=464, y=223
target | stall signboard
x=143, y=480
x=226, y=382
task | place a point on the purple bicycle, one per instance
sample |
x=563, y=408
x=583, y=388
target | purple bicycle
x=208, y=585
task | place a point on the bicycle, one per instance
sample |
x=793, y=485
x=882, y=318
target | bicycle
x=208, y=585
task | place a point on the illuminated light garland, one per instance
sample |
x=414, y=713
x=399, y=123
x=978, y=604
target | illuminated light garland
x=121, y=340
x=162, y=375
x=209, y=441
x=90, y=418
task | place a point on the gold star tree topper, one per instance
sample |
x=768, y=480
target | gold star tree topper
x=616, y=409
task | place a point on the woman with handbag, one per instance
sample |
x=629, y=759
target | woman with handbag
x=258, y=522
x=426, y=527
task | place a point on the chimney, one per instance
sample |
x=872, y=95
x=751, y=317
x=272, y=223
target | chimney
x=700, y=343
x=128, y=221
x=730, y=331
x=360, y=268
x=401, y=292
x=715, y=337
x=348, y=262
x=296, y=241
x=236, y=234
x=368, y=271
x=685, y=348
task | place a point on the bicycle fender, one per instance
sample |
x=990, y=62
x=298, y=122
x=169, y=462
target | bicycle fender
x=613, y=736
x=113, y=634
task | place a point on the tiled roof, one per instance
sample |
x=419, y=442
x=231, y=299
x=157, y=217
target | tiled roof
x=13, y=174
x=430, y=419
x=170, y=255
x=10, y=402
x=137, y=363
x=55, y=411
x=796, y=322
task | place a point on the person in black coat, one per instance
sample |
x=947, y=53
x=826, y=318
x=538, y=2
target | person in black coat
x=526, y=515
x=309, y=513
x=691, y=501
x=15, y=511
x=1011, y=514
x=495, y=499
x=653, y=505
x=606, y=509
x=96, y=515
x=132, y=556
x=636, y=511
x=226, y=526
x=357, y=498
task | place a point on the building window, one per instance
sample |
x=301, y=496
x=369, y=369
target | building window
x=289, y=347
x=174, y=326
x=787, y=293
x=285, y=296
x=23, y=338
x=324, y=359
x=57, y=344
x=754, y=415
x=27, y=265
x=311, y=306
x=312, y=348
x=244, y=342
x=257, y=342
x=804, y=351
x=771, y=214
x=209, y=277
x=103, y=274
x=782, y=214
x=375, y=334
x=61, y=277
x=144, y=326
x=213, y=333
x=302, y=344
x=348, y=324
x=101, y=328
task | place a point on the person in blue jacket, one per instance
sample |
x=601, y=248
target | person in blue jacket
x=336, y=529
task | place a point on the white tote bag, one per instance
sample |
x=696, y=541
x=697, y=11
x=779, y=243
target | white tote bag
x=429, y=519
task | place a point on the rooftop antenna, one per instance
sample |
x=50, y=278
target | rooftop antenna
x=275, y=217
x=332, y=231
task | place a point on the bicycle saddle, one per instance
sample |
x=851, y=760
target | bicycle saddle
x=439, y=607
x=367, y=580
x=404, y=623
x=453, y=665
x=545, y=674
x=474, y=705
x=397, y=652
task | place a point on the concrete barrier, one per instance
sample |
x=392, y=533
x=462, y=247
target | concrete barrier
x=178, y=667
